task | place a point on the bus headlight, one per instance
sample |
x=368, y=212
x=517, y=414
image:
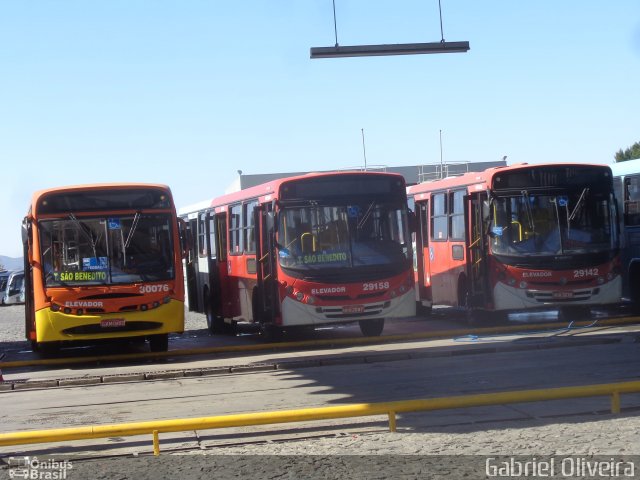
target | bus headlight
x=311, y=300
x=511, y=281
x=143, y=308
x=79, y=311
x=54, y=307
x=299, y=296
x=523, y=284
x=600, y=280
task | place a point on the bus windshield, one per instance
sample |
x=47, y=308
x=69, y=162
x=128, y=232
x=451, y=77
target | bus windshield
x=107, y=250
x=573, y=222
x=355, y=235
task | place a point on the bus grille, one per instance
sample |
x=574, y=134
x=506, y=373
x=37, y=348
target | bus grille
x=548, y=297
x=97, y=329
x=369, y=310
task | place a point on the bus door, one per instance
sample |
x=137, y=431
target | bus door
x=29, y=310
x=225, y=300
x=477, y=255
x=191, y=274
x=422, y=250
x=213, y=264
x=265, y=253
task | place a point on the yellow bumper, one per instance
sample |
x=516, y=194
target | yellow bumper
x=51, y=326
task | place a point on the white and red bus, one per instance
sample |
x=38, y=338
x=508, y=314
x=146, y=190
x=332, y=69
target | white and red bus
x=304, y=251
x=517, y=238
x=102, y=261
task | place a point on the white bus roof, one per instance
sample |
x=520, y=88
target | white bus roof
x=626, y=168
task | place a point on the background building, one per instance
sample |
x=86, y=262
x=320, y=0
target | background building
x=413, y=173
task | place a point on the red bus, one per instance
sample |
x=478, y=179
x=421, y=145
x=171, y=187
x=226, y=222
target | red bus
x=102, y=262
x=303, y=251
x=517, y=238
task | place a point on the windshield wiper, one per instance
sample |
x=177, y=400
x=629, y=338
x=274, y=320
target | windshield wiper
x=578, y=206
x=87, y=234
x=366, y=216
x=134, y=225
x=527, y=209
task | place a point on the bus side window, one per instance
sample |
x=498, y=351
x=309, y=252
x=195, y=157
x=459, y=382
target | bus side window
x=248, y=220
x=221, y=232
x=212, y=235
x=202, y=246
x=439, y=218
x=235, y=229
x=632, y=200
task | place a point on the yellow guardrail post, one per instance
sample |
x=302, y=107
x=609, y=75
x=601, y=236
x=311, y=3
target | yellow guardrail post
x=392, y=421
x=615, y=402
x=156, y=443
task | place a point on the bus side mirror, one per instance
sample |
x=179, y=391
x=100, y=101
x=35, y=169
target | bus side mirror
x=26, y=238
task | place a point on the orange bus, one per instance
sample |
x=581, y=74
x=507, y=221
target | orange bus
x=102, y=262
x=303, y=251
x=518, y=238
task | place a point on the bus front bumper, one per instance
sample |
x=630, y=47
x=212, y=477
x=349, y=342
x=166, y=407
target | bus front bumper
x=298, y=313
x=513, y=298
x=58, y=326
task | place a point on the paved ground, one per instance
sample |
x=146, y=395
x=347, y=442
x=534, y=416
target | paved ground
x=451, y=451
x=461, y=452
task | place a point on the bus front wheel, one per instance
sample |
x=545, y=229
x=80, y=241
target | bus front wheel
x=215, y=323
x=372, y=328
x=159, y=343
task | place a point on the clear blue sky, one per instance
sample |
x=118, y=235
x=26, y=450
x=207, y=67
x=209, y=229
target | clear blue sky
x=186, y=92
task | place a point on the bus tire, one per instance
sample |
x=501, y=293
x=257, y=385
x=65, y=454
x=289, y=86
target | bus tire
x=47, y=348
x=159, y=343
x=372, y=328
x=422, y=310
x=215, y=323
x=271, y=333
x=574, y=313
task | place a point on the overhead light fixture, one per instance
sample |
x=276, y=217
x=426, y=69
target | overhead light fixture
x=389, y=49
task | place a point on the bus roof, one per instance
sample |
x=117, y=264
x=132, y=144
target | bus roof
x=482, y=179
x=37, y=195
x=628, y=167
x=97, y=186
x=270, y=189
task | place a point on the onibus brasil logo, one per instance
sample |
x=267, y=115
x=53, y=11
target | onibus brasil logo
x=33, y=469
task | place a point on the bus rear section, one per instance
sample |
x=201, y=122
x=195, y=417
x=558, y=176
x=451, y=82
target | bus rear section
x=305, y=251
x=104, y=263
x=529, y=237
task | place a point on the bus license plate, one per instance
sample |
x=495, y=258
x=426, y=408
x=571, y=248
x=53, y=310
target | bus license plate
x=353, y=309
x=112, y=323
x=562, y=295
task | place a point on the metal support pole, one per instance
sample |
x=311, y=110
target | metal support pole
x=392, y=421
x=156, y=443
x=615, y=402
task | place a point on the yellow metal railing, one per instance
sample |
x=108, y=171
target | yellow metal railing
x=390, y=409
